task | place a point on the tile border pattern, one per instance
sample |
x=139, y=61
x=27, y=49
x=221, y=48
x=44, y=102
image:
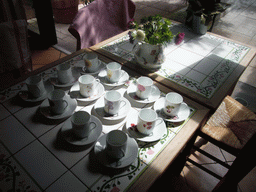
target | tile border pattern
x=212, y=82
x=13, y=175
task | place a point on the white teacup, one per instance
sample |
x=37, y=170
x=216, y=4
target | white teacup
x=35, y=86
x=147, y=121
x=172, y=103
x=114, y=72
x=82, y=124
x=57, y=101
x=91, y=62
x=116, y=144
x=144, y=87
x=113, y=102
x=64, y=73
x=88, y=85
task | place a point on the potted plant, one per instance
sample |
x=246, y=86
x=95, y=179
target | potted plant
x=152, y=34
x=201, y=14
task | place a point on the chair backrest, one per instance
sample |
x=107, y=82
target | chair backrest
x=101, y=20
x=243, y=164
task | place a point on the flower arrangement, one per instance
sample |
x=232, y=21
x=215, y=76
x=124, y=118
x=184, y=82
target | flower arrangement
x=154, y=30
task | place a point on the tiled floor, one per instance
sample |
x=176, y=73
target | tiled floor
x=239, y=24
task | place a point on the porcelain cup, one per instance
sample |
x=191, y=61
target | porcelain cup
x=35, y=86
x=114, y=72
x=113, y=102
x=57, y=101
x=144, y=87
x=147, y=121
x=172, y=103
x=116, y=144
x=82, y=124
x=91, y=62
x=88, y=85
x=64, y=73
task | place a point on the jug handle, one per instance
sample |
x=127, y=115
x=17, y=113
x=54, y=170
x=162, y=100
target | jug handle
x=136, y=47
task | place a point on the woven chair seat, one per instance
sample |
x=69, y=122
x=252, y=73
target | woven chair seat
x=232, y=124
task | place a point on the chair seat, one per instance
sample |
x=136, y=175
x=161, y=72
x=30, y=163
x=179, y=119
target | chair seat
x=232, y=124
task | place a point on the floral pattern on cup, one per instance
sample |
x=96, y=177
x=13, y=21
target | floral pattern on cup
x=109, y=106
x=134, y=127
x=88, y=63
x=141, y=88
x=89, y=88
x=109, y=74
x=148, y=125
x=169, y=108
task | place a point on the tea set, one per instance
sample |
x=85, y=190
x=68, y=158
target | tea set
x=115, y=149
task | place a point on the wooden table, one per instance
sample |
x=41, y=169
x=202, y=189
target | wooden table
x=34, y=151
x=204, y=68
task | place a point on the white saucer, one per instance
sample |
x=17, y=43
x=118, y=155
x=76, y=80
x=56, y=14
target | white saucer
x=25, y=95
x=102, y=66
x=123, y=111
x=75, y=93
x=101, y=155
x=103, y=78
x=46, y=111
x=76, y=75
x=131, y=126
x=70, y=137
x=131, y=92
x=182, y=115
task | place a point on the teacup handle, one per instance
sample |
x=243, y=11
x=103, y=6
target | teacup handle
x=93, y=127
x=124, y=103
x=159, y=120
x=38, y=90
x=154, y=89
x=98, y=82
x=66, y=104
x=122, y=74
x=123, y=152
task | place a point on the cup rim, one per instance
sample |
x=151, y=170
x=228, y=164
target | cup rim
x=94, y=54
x=147, y=78
x=63, y=67
x=50, y=95
x=117, y=131
x=83, y=76
x=156, y=116
x=110, y=99
x=35, y=78
x=83, y=114
x=109, y=65
x=174, y=93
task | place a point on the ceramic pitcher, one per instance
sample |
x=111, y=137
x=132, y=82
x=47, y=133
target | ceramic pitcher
x=149, y=56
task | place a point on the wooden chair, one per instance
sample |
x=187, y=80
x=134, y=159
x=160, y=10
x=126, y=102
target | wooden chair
x=232, y=127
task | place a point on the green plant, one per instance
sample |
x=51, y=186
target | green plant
x=153, y=30
x=206, y=9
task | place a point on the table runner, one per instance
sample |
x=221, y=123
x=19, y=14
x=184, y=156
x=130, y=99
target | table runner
x=200, y=64
x=117, y=181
